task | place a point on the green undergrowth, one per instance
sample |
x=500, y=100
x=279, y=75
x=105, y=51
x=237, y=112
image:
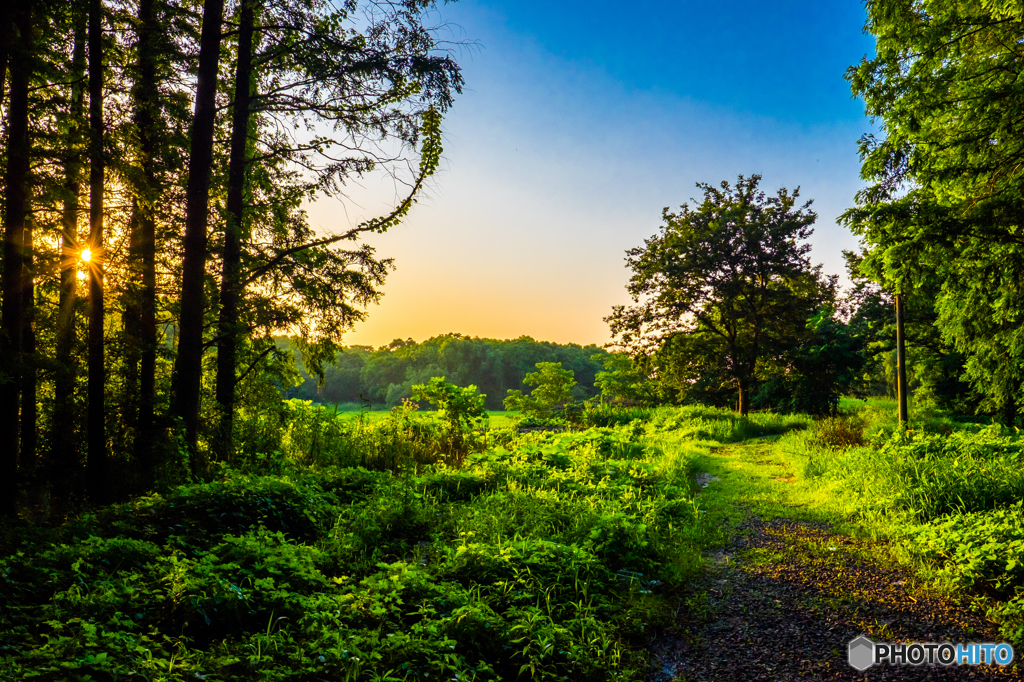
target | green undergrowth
x=946, y=494
x=549, y=556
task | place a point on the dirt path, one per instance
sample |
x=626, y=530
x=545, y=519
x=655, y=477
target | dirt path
x=783, y=598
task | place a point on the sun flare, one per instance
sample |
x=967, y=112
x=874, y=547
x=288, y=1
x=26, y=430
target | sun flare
x=86, y=255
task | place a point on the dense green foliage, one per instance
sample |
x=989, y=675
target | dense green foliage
x=268, y=524
x=551, y=393
x=943, y=208
x=548, y=557
x=726, y=303
x=385, y=376
x=948, y=492
x=205, y=127
x=461, y=408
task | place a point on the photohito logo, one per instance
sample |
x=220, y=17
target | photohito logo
x=863, y=653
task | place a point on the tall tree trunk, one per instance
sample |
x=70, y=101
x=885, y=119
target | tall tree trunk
x=231, y=286
x=16, y=209
x=140, y=311
x=1010, y=403
x=744, y=397
x=28, y=350
x=6, y=34
x=97, y=457
x=64, y=448
x=188, y=365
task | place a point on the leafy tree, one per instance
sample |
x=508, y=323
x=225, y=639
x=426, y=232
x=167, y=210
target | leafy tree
x=945, y=195
x=124, y=117
x=188, y=363
x=552, y=392
x=626, y=380
x=727, y=281
x=299, y=66
x=936, y=369
x=460, y=407
x=816, y=371
x=16, y=210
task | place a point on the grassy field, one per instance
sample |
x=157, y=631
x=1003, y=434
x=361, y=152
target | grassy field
x=942, y=497
x=496, y=418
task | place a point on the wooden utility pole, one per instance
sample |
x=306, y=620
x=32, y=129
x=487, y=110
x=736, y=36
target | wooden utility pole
x=901, y=359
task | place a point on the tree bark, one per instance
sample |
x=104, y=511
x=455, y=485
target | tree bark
x=6, y=35
x=744, y=397
x=27, y=459
x=1010, y=404
x=64, y=449
x=1010, y=411
x=16, y=210
x=96, y=420
x=188, y=365
x=140, y=308
x=231, y=277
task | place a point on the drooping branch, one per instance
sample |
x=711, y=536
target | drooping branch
x=430, y=158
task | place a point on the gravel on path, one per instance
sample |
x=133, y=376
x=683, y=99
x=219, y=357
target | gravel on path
x=783, y=599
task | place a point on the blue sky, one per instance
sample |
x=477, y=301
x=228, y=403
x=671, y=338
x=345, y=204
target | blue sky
x=579, y=123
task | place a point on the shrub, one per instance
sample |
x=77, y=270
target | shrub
x=552, y=392
x=837, y=433
x=461, y=409
x=983, y=550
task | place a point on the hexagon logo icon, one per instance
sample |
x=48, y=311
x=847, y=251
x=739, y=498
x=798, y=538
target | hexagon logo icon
x=861, y=653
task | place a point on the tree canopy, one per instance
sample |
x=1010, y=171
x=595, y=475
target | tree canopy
x=725, y=286
x=944, y=204
x=156, y=162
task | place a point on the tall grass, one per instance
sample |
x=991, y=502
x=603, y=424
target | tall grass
x=701, y=423
x=315, y=435
x=947, y=493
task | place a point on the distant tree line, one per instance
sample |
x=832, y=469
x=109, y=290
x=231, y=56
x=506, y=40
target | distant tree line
x=384, y=376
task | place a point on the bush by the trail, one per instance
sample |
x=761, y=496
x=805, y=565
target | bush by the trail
x=978, y=549
x=550, y=558
x=838, y=433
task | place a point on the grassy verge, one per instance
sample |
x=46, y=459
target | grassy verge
x=945, y=495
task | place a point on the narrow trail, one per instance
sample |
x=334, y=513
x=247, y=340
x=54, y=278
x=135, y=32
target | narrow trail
x=784, y=596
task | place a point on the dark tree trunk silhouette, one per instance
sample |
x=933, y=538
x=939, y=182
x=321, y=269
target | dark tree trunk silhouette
x=16, y=209
x=6, y=34
x=1009, y=406
x=64, y=449
x=140, y=308
x=27, y=455
x=188, y=365
x=96, y=439
x=231, y=285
